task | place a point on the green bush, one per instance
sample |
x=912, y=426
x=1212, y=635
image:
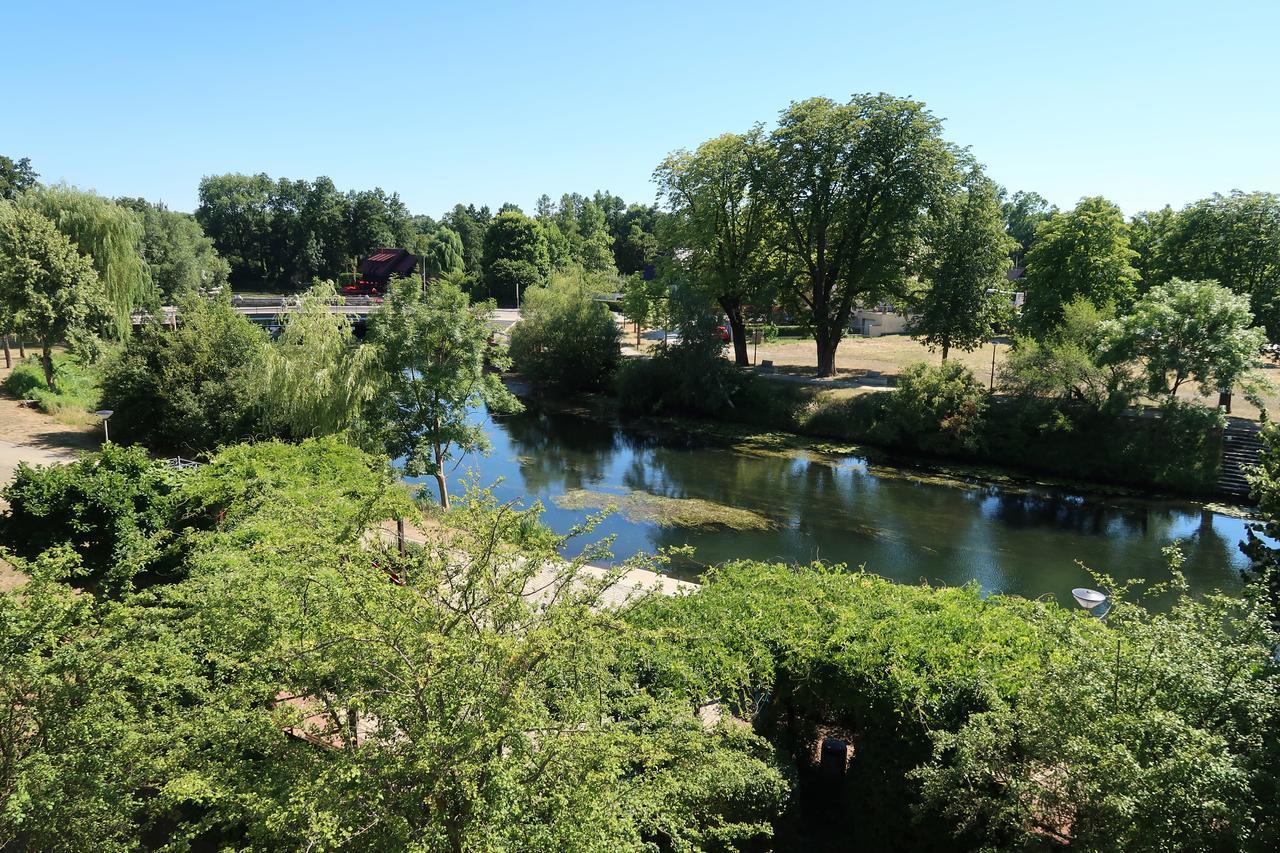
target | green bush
x=692, y=377
x=565, y=339
x=76, y=385
x=111, y=509
x=933, y=409
x=192, y=388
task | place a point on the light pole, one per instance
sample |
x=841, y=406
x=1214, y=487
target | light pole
x=105, y=414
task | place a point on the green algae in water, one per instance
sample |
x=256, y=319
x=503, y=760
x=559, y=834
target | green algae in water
x=665, y=512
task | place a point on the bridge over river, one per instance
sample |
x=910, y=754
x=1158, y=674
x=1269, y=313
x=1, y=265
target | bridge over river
x=267, y=310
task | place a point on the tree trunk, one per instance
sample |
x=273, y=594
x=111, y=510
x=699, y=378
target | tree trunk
x=443, y=486
x=827, y=343
x=46, y=361
x=738, y=330
x=1224, y=399
x=400, y=535
x=946, y=348
x=8, y=356
x=22, y=349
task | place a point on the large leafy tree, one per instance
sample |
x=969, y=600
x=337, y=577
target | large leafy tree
x=16, y=176
x=470, y=224
x=110, y=236
x=1023, y=212
x=849, y=184
x=433, y=350
x=1081, y=254
x=180, y=258
x=966, y=258
x=49, y=290
x=718, y=226
x=1234, y=240
x=1189, y=331
x=443, y=253
x=515, y=255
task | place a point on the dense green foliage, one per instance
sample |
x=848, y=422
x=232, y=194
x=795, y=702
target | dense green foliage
x=190, y=388
x=1083, y=254
x=109, y=236
x=1188, y=331
x=451, y=711
x=1023, y=213
x=719, y=228
x=16, y=176
x=1264, y=557
x=285, y=233
x=110, y=511
x=433, y=351
x=515, y=256
x=692, y=377
x=987, y=723
x=848, y=184
x=566, y=339
x=49, y=292
x=1233, y=240
x=180, y=258
x=965, y=266
x=316, y=376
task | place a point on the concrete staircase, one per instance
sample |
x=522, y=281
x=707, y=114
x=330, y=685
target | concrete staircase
x=1240, y=449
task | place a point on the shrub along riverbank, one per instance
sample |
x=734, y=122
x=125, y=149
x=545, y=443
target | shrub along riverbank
x=944, y=413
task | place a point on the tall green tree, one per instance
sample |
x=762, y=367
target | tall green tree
x=565, y=338
x=1189, y=331
x=849, y=184
x=1234, y=240
x=718, y=226
x=1148, y=232
x=433, y=351
x=49, y=290
x=16, y=177
x=965, y=266
x=1023, y=213
x=443, y=253
x=110, y=236
x=515, y=255
x=179, y=257
x=1081, y=254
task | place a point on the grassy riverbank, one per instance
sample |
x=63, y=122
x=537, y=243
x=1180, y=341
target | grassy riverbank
x=1021, y=444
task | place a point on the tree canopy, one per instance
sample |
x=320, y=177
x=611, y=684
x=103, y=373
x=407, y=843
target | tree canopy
x=433, y=350
x=965, y=266
x=110, y=236
x=849, y=184
x=719, y=226
x=1083, y=253
x=48, y=289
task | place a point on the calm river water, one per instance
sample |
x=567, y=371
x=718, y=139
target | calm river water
x=843, y=510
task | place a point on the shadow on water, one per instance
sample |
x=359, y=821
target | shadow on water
x=840, y=510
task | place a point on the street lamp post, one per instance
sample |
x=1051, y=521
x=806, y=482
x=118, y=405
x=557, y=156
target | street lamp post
x=105, y=414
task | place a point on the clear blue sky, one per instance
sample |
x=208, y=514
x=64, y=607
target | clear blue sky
x=1145, y=102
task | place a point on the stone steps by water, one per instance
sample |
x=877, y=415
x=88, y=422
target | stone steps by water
x=1241, y=450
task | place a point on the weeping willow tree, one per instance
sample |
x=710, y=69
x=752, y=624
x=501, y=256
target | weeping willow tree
x=444, y=253
x=317, y=375
x=106, y=233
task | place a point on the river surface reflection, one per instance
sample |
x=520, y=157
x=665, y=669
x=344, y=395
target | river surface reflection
x=843, y=510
